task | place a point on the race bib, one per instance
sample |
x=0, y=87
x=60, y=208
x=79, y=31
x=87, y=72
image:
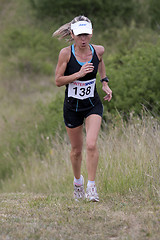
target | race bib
x=81, y=89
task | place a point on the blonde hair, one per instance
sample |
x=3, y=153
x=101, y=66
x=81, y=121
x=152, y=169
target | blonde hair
x=65, y=30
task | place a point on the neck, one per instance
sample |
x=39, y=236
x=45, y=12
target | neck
x=82, y=50
x=83, y=54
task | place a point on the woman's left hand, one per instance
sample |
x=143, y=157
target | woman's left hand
x=108, y=91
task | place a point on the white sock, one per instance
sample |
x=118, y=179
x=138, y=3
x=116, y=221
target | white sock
x=90, y=183
x=78, y=181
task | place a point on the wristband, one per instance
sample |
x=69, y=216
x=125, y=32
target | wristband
x=104, y=79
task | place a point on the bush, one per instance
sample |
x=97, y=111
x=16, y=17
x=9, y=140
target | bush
x=29, y=137
x=135, y=79
x=106, y=12
x=154, y=10
x=52, y=117
x=29, y=50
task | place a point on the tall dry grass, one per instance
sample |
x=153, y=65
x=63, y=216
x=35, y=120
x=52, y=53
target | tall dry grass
x=129, y=162
x=130, y=157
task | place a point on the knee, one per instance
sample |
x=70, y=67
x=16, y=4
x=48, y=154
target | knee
x=76, y=152
x=91, y=146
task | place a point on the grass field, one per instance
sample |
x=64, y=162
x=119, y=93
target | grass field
x=36, y=179
x=36, y=201
x=128, y=179
x=32, y=216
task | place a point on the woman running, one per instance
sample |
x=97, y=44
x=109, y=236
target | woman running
x=77, y=67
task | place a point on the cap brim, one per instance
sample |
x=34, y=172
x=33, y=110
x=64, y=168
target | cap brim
x=82, y=30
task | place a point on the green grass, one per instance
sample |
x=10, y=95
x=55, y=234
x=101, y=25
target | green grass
x=129, y=162
x=37, y=216
x=31, y=110
x=36, y=179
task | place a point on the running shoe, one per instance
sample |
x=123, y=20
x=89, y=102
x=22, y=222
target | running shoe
x=79, y=193
x=91, y=194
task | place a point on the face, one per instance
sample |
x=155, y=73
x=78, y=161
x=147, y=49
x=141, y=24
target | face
x=82, y=40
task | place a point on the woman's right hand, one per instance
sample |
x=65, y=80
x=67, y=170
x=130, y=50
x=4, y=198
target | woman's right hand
x=86, y=68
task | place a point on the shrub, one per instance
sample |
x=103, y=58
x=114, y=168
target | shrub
x=29, y=50
x=154, y=9
x=29, y=137
x=52, y=117
x=106, y=12
x=135, y=79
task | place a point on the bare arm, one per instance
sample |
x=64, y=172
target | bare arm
x=102, y=72
x=63, y=59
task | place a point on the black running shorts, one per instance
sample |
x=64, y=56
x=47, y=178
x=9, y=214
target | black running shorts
x=74, y=119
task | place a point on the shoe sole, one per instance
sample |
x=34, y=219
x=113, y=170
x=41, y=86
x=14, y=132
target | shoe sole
x=92, y=199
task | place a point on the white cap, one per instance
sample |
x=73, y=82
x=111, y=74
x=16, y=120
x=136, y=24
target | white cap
x=81, y=27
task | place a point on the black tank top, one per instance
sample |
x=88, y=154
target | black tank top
x=74, y=66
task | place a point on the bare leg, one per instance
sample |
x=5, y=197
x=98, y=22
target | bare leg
x=76, y=140
x=93, y=123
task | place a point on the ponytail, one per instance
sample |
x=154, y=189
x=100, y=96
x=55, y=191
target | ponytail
x=65, y=30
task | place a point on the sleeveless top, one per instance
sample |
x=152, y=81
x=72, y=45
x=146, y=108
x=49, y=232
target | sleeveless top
x=81, y=95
